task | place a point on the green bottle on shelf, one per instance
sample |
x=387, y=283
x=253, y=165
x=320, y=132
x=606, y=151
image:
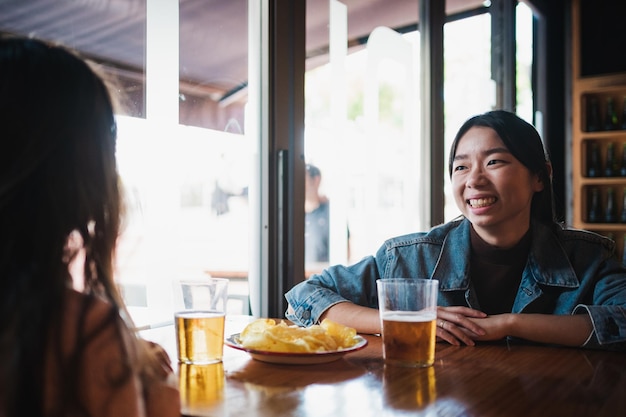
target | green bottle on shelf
x=622, y=168
x=593, y=214
x=622, y=217
x=610, y=210
x=610, y=120
x=609, y=165
x=593, y=163
x=593, y=115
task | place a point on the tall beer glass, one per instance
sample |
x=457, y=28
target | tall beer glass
x=199, y=319
x=408, y=312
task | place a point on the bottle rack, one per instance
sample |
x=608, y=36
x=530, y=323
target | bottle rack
x=589, y=171
x=590, y=98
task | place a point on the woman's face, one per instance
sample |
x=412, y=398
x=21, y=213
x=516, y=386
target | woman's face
x=492, y=188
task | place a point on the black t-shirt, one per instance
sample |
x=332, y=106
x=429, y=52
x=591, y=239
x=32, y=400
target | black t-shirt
x=496, y=273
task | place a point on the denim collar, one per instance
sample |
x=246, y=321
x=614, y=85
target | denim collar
x=547, y=261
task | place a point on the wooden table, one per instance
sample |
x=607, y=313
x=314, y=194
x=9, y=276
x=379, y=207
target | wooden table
x=487, y=380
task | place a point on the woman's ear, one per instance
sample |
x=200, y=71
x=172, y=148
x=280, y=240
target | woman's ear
x=540, y=186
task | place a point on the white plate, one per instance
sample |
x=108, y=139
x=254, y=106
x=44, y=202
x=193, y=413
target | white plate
x=295, y=358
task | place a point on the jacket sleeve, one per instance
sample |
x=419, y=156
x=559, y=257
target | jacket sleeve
x=607, y=308
x=336, y=284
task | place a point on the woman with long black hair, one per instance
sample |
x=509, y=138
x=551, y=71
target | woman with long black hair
x=65, y=352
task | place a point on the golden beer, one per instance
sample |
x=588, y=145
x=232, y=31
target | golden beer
x=409, y=389
x=409, y=338
x=199, y=336
x=201, y=387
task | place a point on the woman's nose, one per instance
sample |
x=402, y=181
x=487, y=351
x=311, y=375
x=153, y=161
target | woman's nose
x=476, y=177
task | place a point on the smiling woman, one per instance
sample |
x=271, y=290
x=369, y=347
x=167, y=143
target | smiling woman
x=506, y=269
x=492, y=187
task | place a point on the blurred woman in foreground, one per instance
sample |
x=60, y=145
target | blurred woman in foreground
x=64, y=352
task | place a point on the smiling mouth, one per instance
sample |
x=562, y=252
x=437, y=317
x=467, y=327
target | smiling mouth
x=481, y=202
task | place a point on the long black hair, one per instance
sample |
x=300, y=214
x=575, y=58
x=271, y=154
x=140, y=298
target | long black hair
x=58, y=177
x=524, y=142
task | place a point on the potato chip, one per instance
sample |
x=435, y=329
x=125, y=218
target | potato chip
x=257, y=326
x=267, y=335
x=343, y=335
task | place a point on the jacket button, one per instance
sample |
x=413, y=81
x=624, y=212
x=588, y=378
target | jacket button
x=306, y=314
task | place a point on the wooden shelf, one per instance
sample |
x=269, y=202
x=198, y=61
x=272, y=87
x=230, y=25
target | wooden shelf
x=585, y=92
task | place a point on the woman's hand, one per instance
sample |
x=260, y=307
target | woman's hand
x=458, y=325
x=496, y=327
x=566, y=330
x=158, y=364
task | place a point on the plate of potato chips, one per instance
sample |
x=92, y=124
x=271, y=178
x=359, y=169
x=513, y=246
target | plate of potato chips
x=270, y=341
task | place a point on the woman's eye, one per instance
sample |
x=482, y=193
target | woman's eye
x=459, y=168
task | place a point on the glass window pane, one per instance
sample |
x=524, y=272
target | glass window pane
x=368, y=151
x=468, y=87
x=190, y=179
x=524, y=43
x=183, y=154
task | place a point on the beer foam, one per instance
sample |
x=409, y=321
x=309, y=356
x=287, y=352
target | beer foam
x=198, y=314
x=410, y=316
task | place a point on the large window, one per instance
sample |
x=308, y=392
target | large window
x=189, y=143
x=469, y=87
x=186, y=165
x=183, y=153
x=372, y=175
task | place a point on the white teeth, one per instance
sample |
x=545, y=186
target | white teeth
x=481, y=202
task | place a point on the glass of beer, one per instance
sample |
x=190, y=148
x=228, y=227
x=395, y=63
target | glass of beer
x=408, y=312
x=199, y=319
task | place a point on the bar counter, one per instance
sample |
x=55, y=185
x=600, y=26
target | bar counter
x=499, y=380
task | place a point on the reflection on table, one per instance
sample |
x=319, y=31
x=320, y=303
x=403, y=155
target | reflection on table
x=486, y=380
x=201, y=387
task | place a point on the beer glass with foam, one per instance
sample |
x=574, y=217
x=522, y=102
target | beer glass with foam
x=408, y=313
x=199, y=320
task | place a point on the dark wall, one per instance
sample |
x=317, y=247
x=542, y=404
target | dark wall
x=603, y=37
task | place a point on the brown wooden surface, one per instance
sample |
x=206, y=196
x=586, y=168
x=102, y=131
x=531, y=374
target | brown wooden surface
x=486, y=380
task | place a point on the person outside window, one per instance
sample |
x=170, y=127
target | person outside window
x=316, y=219
x=506, y=268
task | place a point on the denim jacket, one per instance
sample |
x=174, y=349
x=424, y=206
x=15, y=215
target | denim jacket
x=568, y=272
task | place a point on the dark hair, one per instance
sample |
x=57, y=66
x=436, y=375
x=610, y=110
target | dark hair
x=313, y=171
x=58, y=176
x=524, y=142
